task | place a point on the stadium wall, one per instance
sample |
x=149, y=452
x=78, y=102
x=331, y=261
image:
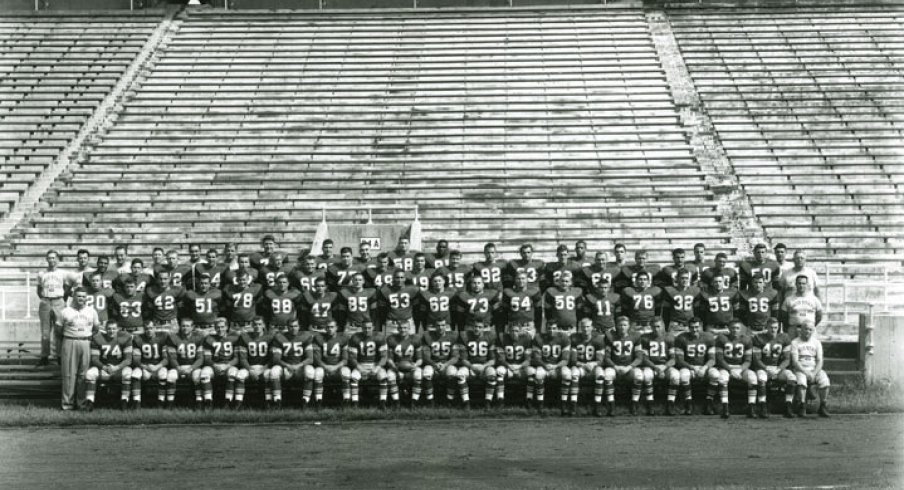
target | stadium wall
x=883, y=347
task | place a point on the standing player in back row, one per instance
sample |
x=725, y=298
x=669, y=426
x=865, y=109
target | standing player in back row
x=760, y=265
x=490, y=269
x=532, y=268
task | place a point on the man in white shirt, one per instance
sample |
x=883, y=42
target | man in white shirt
x=801, y=307
x=79, y=323
x=123, y=262
x=806, y=363
x=53, y=286
x=800, y=268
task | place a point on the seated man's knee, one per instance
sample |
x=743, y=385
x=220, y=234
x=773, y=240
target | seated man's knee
x=91, y=374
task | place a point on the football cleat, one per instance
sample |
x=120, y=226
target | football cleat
x=709, y=408
x=88, y=406
x=789, y=413
x=597, y=409
x=208, y=405
x=823, y=411
x=763, y=412
x=648, y=406
x=610, y=409
x=136, y=405
x=750, y=413
x=670, y=409
x=725, y=413
x=688, y=408
x=123, y=404
x=237, y=405
x=539, y=407
x=563, y=410
x=466, y=406
x=634, y=408
x=802, y=409
x=573, y=408
x=382, y=405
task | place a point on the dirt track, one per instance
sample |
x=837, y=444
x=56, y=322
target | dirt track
x=552, y=453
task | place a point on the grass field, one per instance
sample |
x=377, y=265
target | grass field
x=518, y=453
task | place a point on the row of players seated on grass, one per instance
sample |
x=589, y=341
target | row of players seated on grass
x=408, y=365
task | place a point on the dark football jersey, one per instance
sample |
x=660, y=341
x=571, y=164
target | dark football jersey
x=479, y=347
x=293, y=349
x=324, y=263
x=514, y=349
x=718, y=308
x=621, y=349
x=142, y=281
x=304, y=281
x=186, y=350
x=203, y=307
x=163, y=305
x=267, y=275
x=435, y=261
x=591, y=277
x=150, y=351
x=627, y=276
x=552, y=271
x=402, y=260
x=680, y=303
x=181, y=276
x=107, y=279
x=601, y=309
x=440, y=346
x=490, y=273
x=521, y=306
x=668, y=276
x=697, y=351
x=533, y=269
x=256, y=348
x=657, y=349
x=757, y=309
x=420, y=279
x=475, y=308
x=338, y=276
x=332, y=348
x=102, y=302
x=437, y=307
x=376, y=279
x=318, y=312
x=641, y=305
x=561, y=307
x=367, y=349
x=404, y=349
x=733, y=350
x=215, y=271
x=455, y=278
x=221, y=349
x=243, y=302
x=397, y=304
x=128, y=310
x=112, y=350
x=729, y=276
x=281, y=308
x=769, y=269
x=587, y=348
x=359, y=307
x=231, y=277
x=552, y=348
x=772, y=349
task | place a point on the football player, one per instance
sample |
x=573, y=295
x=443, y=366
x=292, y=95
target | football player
x=440, y=353
x=396, y=303
x=220, y=360
x=668, y=275
x=254, y=360
x=807, y=364
x=128, y=308
x=588, y=349
x=364, y=261
x=522, y=305
x=213, y=268
x=232, y=277
x=186, y=358
x=367, y=357
x=420, y=274
x=163, y=301
x=600, y=271
x=318, y=307
x=203, y=305
x=679, y=301
x=695, y=359
x=150, y=362
x=303, y=276
x=268, y=273
x=561, y=303
x=771, y=361
x=358, y=304
x=659, y=364
x=326, y=257
x=717, y=305
x=624, y=357
x=758, y=305
x=263, y=258
x=580, y=258
x=475, y=305
x=403, y=257
x=760, y=265
x=733, y=357
x=621, y=257
x=404, y=364
x=719, y=270
x=551, y=354
x=435, y=304
x=111, y=360
x=554, y=270
x=382, y=274
x=293, y=358
x=137, y=274
x=490, y=269
x=601, y=306
x=99, y=297
x=641, y=301
x=283, y=302
x=245, y=299
x=101, y=267
x=179, y=272
x=339, y=274
x=531, y=267
x=628, y=275
x=439, y=259
x=331, y=357
x=455, y=272
x=478, y=357
x=513, y=362
x=700, y=261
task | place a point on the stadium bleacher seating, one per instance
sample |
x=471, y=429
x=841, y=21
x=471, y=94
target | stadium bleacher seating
x=806, y=102
x=516, y=125
x=54, y=71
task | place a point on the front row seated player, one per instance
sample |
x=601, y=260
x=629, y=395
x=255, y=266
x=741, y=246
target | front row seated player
x=734, y=353
x=513, y=358
x=477, y=361
x=588, y=350
x=254, y=359
x=695, y=358
x=551, y=354
x=403, y=367
x=440, y=353
x=292, y=359
x=186, y=358
x=367, y=356
x=220, y=351
x=772, y=360
x=807, y=362
x=659, y=364
x=150, y=362
x=111, y=360
x=623, y=360
x=331, y=358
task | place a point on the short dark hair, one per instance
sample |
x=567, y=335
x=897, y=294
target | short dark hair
x=328, y=241
x=345, y=250
x=677, y=251
x=779, y=246
x=83, y=251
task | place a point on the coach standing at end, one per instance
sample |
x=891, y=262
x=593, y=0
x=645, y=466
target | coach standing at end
x=80, y=322
x=53, y=286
